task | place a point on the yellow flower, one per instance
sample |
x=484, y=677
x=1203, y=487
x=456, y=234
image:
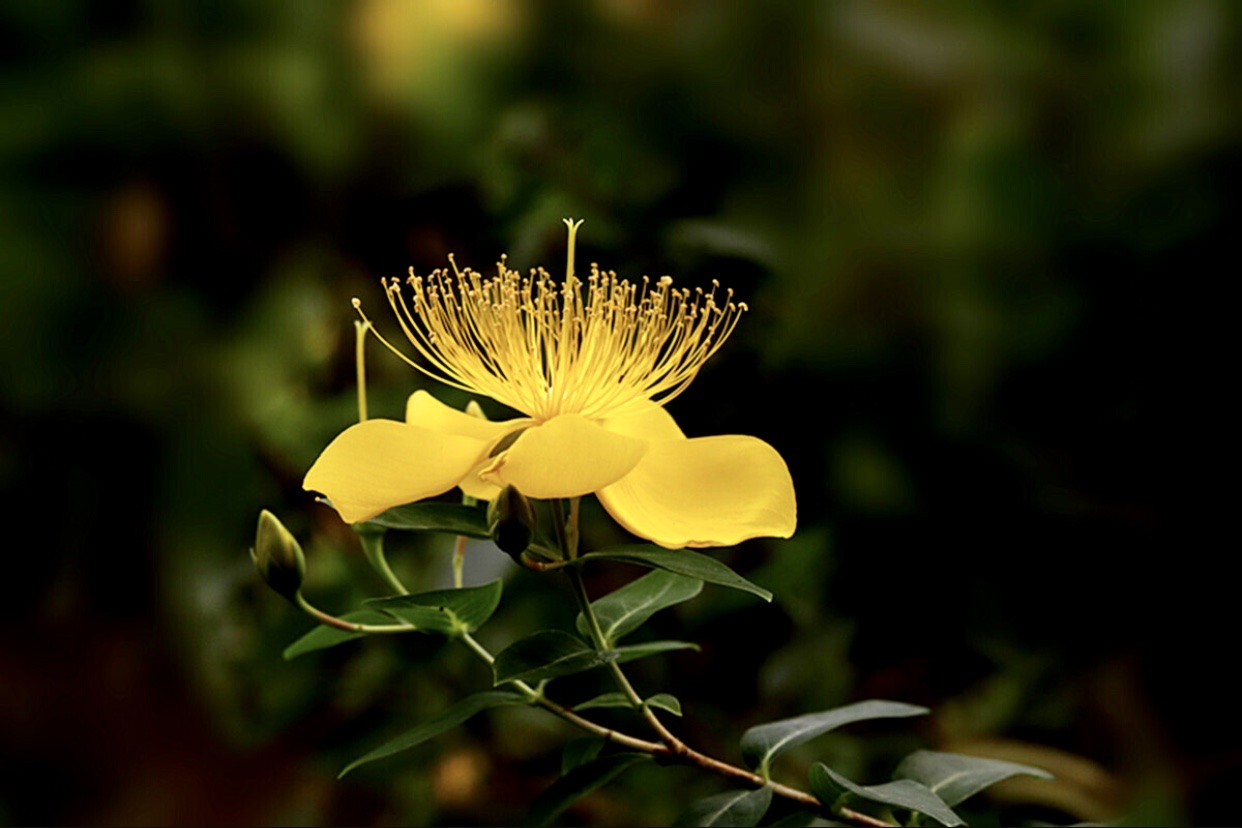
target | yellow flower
x=590, y=365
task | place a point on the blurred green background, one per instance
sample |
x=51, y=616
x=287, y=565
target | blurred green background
x=979, y=241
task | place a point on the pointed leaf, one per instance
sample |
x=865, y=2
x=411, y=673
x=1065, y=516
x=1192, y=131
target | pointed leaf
x=580, y=751
x=544, y=655
x=425, y=516
x=683, y=562
x=955, y=778
x=630, y=652
x=323, y=636
x=626, y=609
x=802, y=819
x=447, y=720
x=660, y=701
x=763, y=743
x=732, y=808
x=579, y=782
x=665, y=702
x=551, y=653
x=829, y=786
x=448, y=611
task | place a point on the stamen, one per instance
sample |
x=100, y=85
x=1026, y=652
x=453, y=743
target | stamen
x=596, y=348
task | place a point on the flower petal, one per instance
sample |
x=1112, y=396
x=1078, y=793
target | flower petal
x=649, y=423
x=706, y=491
x=473, y=484
x=568, y=456
x=378, y=464
x=422, y=409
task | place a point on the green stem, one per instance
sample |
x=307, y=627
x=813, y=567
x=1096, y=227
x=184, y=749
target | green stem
x=482, y=652
x=537, y=697
x=373, y=548
x=459, y=560
x=459, y=550
x=567, y=531
x=675, y=745
x=543, y=566
x=571, y=529
x=360, y=365
x=684, y=756
x=584, y=604
x=675, y=750
x=349, y=626
x=558, y=526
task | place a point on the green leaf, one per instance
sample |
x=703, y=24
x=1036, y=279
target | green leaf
x=579, y=782
x=630, y=652
x=551, y=653
x=829, y=786
x=955, y=778
x=763, y=743
x=448, y=611
x=447, y=720
x=732, y=808
x=802, y=819
x=626, y=609
x=660, y=701
x=453, y=518
x=323, y=636
x=544, y=655
x=681, y=561
x=580, y=751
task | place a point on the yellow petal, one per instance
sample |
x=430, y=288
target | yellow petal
x=475, y=486
x=649, y=423
x=378, y=464
x=422, y=409
x=568, y=456
x=707, y=491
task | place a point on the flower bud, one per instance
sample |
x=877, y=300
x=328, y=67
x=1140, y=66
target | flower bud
x=511, y=521
x=278, y=556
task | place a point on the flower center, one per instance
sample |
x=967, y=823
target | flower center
x=596, y=348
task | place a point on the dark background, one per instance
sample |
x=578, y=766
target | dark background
x=981, y=243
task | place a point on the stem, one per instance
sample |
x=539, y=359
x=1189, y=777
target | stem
x=459, y=551
x=565, y=713
x=674, y=745
x=571, y=529
x=481, y=651
x=349, y=626
x=360, y=365
x=558, y=526
x=542, y=566
x=373, y=547
x=686, y=756
x=459, y=560
x=670, y=746
x=863, y=819
x=567, y=530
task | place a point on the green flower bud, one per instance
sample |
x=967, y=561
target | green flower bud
x=511, y=521
x=278, y=556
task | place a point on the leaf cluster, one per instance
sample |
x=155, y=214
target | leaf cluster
x=925, y=786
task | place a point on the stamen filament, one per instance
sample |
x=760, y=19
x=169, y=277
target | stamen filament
x=597, y=347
